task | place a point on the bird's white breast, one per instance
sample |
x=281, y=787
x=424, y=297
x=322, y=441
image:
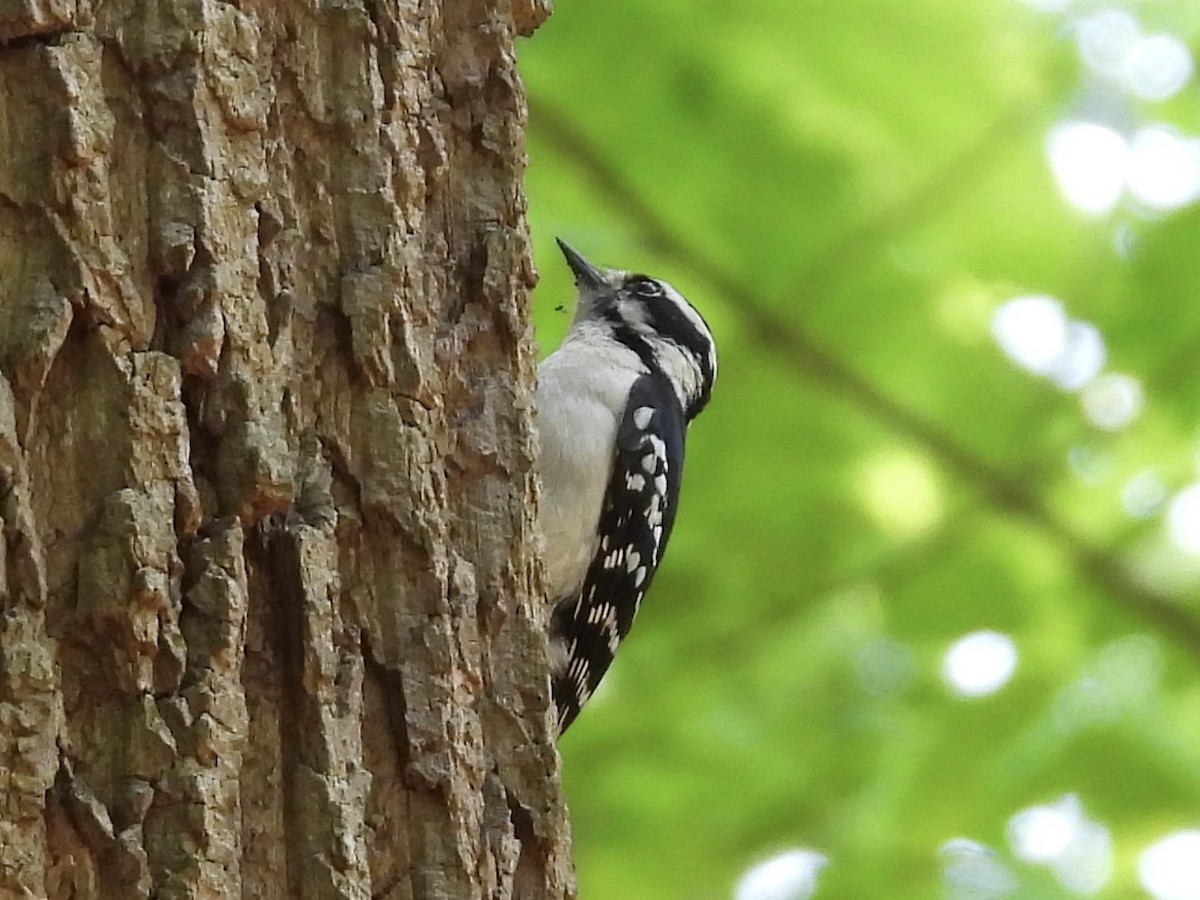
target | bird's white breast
x=582, y=391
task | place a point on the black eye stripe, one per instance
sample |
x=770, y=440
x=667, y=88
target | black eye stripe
x=670, y=321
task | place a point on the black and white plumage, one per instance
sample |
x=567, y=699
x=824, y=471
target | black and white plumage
x=614, y=403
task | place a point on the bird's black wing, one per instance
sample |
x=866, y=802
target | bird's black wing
x=635, y=522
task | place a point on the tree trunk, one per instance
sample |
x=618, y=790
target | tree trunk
x=271, y=623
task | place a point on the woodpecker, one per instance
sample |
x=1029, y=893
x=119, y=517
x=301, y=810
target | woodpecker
x=614, y=402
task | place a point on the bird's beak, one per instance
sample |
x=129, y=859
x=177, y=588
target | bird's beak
x=586, y=275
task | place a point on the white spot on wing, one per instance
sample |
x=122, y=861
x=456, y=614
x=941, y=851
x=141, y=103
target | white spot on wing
x=649, y=463
x=642, y=416
x=654, y=513
x=636, y=482
x=633, y=560
x=614, y=636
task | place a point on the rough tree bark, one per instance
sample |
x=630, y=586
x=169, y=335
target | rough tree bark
x=268, y=573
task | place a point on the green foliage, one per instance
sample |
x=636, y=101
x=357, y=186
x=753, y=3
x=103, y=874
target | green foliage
x=849, y=192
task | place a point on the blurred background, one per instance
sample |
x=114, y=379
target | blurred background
x=929, y=623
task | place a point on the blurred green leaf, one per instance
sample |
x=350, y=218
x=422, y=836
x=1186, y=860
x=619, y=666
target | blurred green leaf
x=849, y=192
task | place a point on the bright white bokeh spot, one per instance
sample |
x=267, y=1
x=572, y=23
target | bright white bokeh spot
x=1183, y=519
x=1164, y=168
x=1082, y=358
x=974, y=871
x=1088, y=161
x=1143, y=494
x=1112, y=401
x=980, y=663
x=1058, y=835
x=1032, y=332
x=1106, y=39
x=1086, y=865
x=1157, y=66
x=792, y=875
x=1170, y=868
x=1035, y=333
x=1040, y=834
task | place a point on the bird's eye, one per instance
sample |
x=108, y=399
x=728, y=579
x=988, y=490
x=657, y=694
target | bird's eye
x=645, y=288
